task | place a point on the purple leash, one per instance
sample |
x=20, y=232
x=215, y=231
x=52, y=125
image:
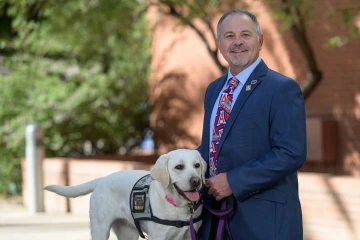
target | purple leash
x=222, y=221
x=192, y=210
x=221, y=214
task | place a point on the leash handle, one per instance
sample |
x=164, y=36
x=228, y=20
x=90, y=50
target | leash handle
x=222, y=215
x=224, y=211
x=221, y=222
x=228, y=229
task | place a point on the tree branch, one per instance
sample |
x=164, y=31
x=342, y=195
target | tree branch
x=213, y=53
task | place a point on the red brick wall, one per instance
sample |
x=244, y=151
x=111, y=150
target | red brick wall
x=182, y=70
x=339, y=93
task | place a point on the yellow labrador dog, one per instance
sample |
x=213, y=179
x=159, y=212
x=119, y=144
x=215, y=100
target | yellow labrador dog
x=174, y=186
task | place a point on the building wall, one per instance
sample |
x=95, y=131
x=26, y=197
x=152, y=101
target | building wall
x=182, y=69
x=338, y=96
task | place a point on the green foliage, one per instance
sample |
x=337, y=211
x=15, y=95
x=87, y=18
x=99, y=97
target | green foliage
x=336, y=41
x=300, y=12
x=347, y=16
x=77, y=68
x=288, y=11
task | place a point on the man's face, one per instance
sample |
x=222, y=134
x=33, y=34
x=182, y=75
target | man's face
x=238, y=42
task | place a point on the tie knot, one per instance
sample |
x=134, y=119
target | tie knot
x=233, y=82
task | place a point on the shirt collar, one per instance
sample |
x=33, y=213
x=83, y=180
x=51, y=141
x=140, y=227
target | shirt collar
x=244, y=74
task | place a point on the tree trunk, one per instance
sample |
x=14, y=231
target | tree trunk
x=298, y=31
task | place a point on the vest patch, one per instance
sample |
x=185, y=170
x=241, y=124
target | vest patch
x=139, y=202
x=139, y=199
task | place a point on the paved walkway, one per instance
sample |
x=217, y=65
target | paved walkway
x=16, y=223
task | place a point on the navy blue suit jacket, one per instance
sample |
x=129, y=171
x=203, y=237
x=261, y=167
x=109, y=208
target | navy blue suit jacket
x=262, y=147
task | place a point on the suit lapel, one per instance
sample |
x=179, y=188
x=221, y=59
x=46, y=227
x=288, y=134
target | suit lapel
x=218, y=87
x=253, y=81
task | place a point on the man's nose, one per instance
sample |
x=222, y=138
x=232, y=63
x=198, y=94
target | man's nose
x=238, y=40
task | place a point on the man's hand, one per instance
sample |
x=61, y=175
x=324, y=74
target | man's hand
x=218, y=186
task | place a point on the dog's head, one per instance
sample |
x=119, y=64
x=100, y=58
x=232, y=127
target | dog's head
x=182, y=169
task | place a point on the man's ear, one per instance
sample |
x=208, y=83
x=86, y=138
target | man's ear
x=261, y=40
x=160, y=170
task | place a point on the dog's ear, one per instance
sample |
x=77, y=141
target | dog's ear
x=203, y=167
x=160, y=170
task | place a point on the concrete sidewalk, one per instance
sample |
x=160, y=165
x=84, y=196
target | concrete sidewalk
x=17, y=224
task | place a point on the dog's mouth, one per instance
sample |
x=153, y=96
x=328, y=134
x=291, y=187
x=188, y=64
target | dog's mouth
x=192, y=195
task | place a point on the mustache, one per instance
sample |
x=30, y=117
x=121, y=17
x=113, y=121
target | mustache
x=238, y=48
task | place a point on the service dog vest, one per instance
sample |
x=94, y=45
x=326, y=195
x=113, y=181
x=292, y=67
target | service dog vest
x=141, y=208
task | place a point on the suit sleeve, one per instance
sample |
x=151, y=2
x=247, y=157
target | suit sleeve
x=200, y=147
x=287, y=140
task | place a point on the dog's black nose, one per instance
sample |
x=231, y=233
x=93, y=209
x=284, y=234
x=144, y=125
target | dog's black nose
x=195, y=181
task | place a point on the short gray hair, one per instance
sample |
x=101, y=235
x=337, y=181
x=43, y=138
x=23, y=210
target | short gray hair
x=240, y=12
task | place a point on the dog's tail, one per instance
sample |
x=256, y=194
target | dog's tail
x=74, y=191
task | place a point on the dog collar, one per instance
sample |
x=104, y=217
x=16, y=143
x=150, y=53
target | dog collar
x=170, y=200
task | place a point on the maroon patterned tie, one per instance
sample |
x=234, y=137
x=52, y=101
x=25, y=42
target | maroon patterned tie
x=222, y=115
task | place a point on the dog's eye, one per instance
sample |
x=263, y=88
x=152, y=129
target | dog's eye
x=197, y=165
x=179, y=167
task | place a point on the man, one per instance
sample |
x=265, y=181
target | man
x=254, y=139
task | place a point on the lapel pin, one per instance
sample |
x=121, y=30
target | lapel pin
x=253, y=81
x=248, y=87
